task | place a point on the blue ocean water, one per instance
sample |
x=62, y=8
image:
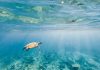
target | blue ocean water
x=68, y=29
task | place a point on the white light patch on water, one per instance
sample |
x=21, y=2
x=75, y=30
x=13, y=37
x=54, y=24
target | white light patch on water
x=77, y=38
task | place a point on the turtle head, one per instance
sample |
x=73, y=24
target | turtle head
x=39, y=43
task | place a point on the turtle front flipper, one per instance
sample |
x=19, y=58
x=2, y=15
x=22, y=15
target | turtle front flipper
x=26, y=49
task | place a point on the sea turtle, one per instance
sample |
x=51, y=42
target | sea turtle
x=31, y=45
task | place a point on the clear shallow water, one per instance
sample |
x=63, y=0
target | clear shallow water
x=70, y=33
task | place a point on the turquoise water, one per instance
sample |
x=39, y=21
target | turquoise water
x=68, y=29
